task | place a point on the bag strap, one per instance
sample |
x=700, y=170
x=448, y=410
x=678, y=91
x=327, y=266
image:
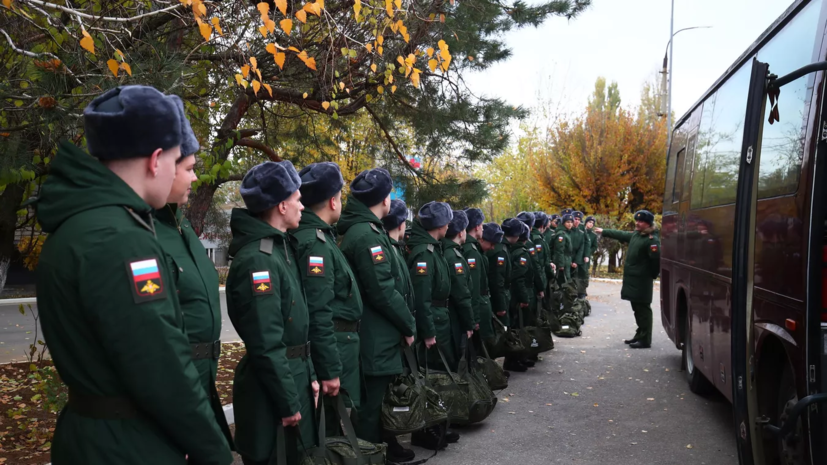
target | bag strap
x=520, y=316
x=350, y=432
x=412, y=365
x=280, y=455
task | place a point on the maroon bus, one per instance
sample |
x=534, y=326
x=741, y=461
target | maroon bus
x=744, y=256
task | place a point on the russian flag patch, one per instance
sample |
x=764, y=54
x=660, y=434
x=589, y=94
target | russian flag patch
x=459, y=268
x=500, y=261
x=377, y=254
x=147, y=284
x=472, y=262
x=539, y=247
x=523, y=261
x=531, y=251
x=422, y=268
x=261, y=282
x=315, y=266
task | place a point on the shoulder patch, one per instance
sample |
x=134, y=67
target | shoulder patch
x=459, y=268
x=531, y=251
x=539, y=247
x=459, y=254
x=147, y=284
x=430, y=248
x=422, y=268
x=375, y=228
x=261, y=282
x=266, y=245
x=523, y=261
x=472, y=263
x=377, y=254
x=320, y=235
x=560, y=238
x=500, y=261
x=653, y=247
x=315, y=266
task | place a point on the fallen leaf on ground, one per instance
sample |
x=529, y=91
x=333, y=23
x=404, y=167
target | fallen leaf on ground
x=689, y=446
x=650, y=398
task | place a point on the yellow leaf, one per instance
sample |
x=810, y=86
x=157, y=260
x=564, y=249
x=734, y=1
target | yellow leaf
x=369, y=47
x=258, y=72
x=320, y=3
x=263, y=8
x=282, y=6
x=430, y=51
x=415, y=78
x=217, y=26
x=269, y=89
x=301, y=15
x=380, y=89
x=302, y=56
x=294, y=49
x=311, y=63
x=325, y=104
x=393, y=89
x=200, y=9
x=390, y=79
x=270, y=25
x=410, y=59
x=441, y=18
x=373, y=67
x=119, y=54
x=280, y=57
x=206, y=30
x=389, y=7
x=244, y=84
x=127, y=68
x=263, y=30
x=316, y=8
x=239, y=79
x=400, y=60
x=304, y=95
x=245, y=71
x=286, y=25
x=341, y=86
x=87, y=43
x=113, y=66
x=271, y=48
x=442, y=45
x=379, y=50
x=432, y=64
x=446, y=63
x=256, y=86
x=7, y=3
x=254, y=62
x=398, y=4
x=381, y=40
x=357, y=7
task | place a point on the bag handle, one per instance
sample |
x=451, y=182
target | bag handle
x=412, y=365
x=280, y=456
x=347, y=426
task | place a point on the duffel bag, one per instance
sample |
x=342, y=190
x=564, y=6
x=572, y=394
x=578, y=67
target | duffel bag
x=337, y=450
x=481, y=400
x=452, y=390
x=506, y=341
x=404, y=406
x=492, y=371
x=569, y=326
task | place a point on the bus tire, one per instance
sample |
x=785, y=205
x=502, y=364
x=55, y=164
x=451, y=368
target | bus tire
x=791, y=449
x=697, y=381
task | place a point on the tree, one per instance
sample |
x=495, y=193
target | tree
x=244, y=68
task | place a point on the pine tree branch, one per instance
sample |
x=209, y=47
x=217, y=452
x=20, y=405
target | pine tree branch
x=101, y=18
x=390, y=140
x=37, y=55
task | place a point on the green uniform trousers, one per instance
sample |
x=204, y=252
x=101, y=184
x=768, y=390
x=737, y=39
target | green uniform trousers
x=643, y=317
x=582, y=278
x=370, y=416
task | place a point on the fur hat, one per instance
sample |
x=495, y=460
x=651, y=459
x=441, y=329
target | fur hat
x=492, y=232
x=434, y=215
x=578, y=215
x=568, y=217
x=566, y=211
x=527, y=218
x=397, y=215
x=269, y=184
x=590, y=218
x=320, y=182
x=646, y=216
x=189, y=143
x=372, y=186
x=525, y=232
x=553, y=218
x=132, y=122
x=540, y=219
x=458, y=223
x=512, y=227
x=475, y=217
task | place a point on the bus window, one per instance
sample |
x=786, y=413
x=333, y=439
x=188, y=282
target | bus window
x=719, y=143
x=691, y=145
x=782, y=143
x=676, y=190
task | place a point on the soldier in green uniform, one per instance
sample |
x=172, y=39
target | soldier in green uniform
x=335, y=307
x=194, y=274
x=579, y=245
x=473, y=251
x=107, y=298
x=387, y=323
x=640, y=269
x=548, y=235
x=563, y=250
x=538, y=278
x=432, y=290
x=543, y=256
x=460, y=306
x=395, y=224
x=522, y=289
x=589, y=222
x=499, y=270
x=274, y=382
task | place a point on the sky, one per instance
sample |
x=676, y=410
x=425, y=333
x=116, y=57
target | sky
x=625, y=41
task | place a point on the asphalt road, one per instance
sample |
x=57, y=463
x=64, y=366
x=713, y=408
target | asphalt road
x=18, y=331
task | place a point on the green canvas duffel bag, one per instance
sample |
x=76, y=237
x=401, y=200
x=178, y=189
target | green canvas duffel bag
x=492, y=371
x=404, y=406
x=452, y=390
x=569, y=326
x=506, y=341
x=481, y=400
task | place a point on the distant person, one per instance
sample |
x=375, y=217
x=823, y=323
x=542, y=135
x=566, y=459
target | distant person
x=640, y=268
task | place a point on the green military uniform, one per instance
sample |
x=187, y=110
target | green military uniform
x=579, y=245
x=197, y=283
x=402, y=266
x=480, y=294
x=386, y=318
x=592, y=237
x=267, y=306
x=522, y=277
x=542, y=251
x=499, y=280
x=563, y=251
x=640, y=268
x=335, y=306
x=114, y=327
x=460, y=306
x=432, y=289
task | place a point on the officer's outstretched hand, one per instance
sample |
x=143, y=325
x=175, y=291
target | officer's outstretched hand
x=409, y=340
x=291, y=421
x=330, y=387
x=430, y=342
x=598, y=230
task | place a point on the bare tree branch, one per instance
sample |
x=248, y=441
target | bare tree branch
x=258, y=145
x=37, y=55
x=103, y=18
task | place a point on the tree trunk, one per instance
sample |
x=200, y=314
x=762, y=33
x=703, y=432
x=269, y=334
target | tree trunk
x=10, y=201
x=199, y=204
x=612, y=262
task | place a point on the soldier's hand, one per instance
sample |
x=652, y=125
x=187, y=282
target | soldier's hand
x=500, y=313
x=469, y=333
x=598, y=230
x=585, y=259
x=409, y=340
x=330, y=387
x=574, y=265
x=541, y=295
x=523, y=305
x=477, y=327
x=430, y=342
x=554, y=267
x=291, y=421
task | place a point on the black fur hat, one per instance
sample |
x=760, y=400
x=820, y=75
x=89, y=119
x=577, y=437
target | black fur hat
x=189, y=143
x=492, y=232
x=475, y=217
x=525, y=232
x=320, y=182
x=269, y=184
x=527, y=218
x=568, y=217
x=512, y=227
x=132, y=122
x=397, y=215
x=458, y=223
x=434, y=215
x=646, y=216
x=578, y=215
x=372, y=186
x=540, y=219
x=589, y=218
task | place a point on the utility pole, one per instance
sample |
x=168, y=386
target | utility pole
x=669, y=89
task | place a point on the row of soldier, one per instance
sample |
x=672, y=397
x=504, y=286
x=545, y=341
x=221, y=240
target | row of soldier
x=130, y=308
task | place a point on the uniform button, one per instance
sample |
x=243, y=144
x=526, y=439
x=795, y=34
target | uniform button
x=350, y=295
x=348, y=337
x=290, y=319
x=294, y=302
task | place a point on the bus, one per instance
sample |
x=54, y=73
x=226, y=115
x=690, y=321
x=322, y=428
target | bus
x=744, y=256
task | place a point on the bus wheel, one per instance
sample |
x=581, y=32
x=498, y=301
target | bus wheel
x=697, y=381
x=791, y=448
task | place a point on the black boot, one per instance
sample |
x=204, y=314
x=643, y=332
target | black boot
x=397, y=453
x=514, y=365
x=429, y=438
x=640, y=345
x=451, y=436
x=528, y=362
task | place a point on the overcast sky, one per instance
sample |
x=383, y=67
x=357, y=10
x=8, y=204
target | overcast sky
x=624, y=41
